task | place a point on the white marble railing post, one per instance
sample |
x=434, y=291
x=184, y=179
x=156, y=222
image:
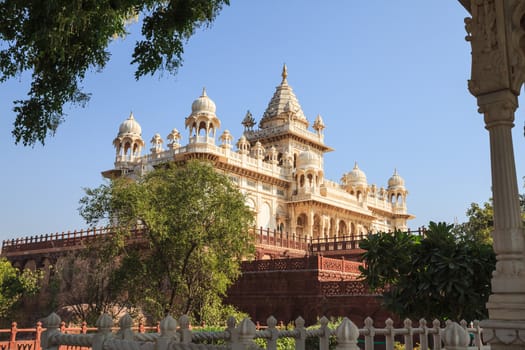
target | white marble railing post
x=246, y=334
x=409, y=334
x=168, y=333
x=423, y=337
x=232, y=330
x=184, y=330
x=455, y=337
x=389, y=334
x=271, y=343
x=324, y=338
x=347, y=334
x=52, y=325
x=436, y=338
x=300, y=341
x=104, y=324
x=125, y=331
x=370, y=333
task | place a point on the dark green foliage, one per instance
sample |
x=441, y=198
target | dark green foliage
x=437, y=276
x=58, y=41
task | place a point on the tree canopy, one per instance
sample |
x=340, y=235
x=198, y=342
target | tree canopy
x=195, y=232
x=439, y=275
x=14, y=284
x=58, y=41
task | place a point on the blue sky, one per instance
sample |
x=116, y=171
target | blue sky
x=388, y=77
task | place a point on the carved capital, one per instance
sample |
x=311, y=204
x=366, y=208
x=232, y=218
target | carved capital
x=496, y=32
x=498, y=108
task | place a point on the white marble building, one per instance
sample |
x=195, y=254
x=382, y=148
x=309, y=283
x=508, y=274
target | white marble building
x=279, y=166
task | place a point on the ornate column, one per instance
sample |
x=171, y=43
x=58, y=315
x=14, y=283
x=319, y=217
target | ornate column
x=496, y=32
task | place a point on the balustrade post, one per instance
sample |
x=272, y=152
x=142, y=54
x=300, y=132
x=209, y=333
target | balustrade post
x=437, y=335
x=477, y=335
x=125, y=331
x=390, y=335
x=104, y=324
x=38, y=335
x=271, y=343
x=408, y=337
x=347, y=334
x=324, y=338
x=184, y=331
x=52, y=324
x=300, y=339
x=246, y=333
x=168, y=333
x=455, y=337
x=423, y=337
x=230, y=328
x=12, y=338
x=370, y=333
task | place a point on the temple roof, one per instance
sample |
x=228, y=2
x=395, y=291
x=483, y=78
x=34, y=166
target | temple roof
x=283, y=103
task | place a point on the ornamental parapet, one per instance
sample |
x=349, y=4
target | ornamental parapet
x=285, y=129
x=317, y=263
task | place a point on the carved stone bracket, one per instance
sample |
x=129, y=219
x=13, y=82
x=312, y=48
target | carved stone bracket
x=496, y=32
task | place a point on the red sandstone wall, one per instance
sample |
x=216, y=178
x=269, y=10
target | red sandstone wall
x=306, y=291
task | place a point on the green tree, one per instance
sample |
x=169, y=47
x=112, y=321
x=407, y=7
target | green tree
x=440, y=275
x=14, y=284
x=86, y=286
x=195, y=233
x=480, y=223
x=58, y=41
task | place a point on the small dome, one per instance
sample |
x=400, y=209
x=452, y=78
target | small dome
x=226, y=135
x=203, y=104
x=130, y=126
x=308, y=159
x=356, y=177
x=396, y=181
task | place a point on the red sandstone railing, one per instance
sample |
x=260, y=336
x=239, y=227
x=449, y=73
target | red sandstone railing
x=29, y=338
x=78, y=239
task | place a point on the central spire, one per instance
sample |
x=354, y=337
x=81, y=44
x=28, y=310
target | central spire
x=284, y=75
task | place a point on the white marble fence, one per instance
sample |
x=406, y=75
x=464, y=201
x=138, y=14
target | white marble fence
x=179, y=336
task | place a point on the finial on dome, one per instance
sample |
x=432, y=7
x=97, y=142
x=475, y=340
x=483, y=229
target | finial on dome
x=284, y=74
x=204, y=92
x=355, y=165
x=131, y=115
x=395, y=171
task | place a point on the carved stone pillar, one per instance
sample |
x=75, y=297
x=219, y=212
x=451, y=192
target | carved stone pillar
x=496, y=32
x=509, y=277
